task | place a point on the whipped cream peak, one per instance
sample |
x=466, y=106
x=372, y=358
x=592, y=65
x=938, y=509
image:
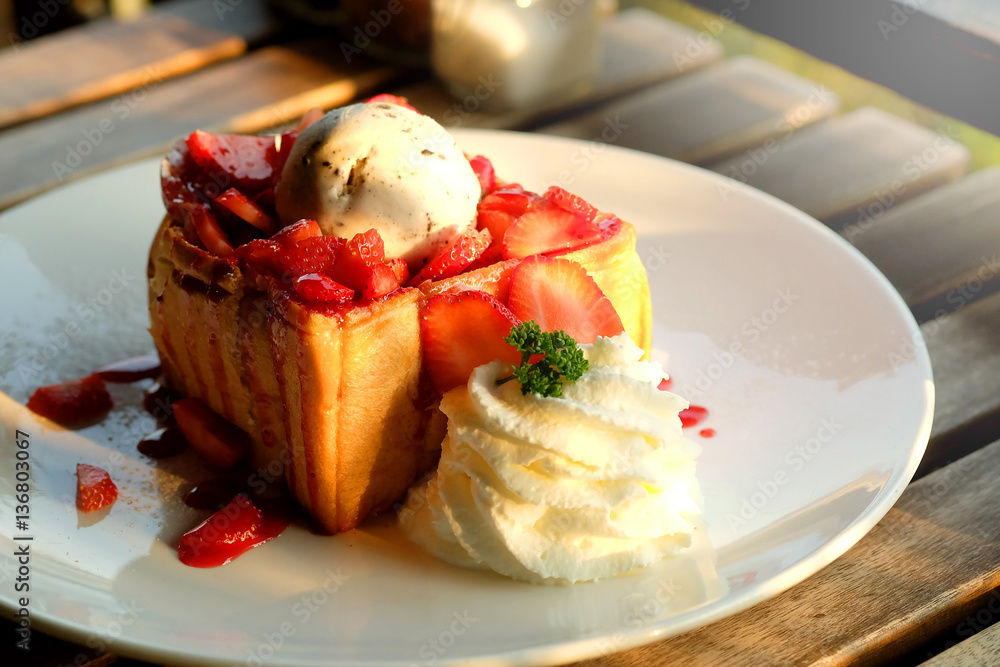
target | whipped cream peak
x=550, y=490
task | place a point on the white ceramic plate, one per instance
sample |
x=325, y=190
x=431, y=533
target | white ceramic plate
x=816, y=379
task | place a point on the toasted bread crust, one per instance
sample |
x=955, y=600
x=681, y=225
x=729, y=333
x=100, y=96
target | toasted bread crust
x=336, y=402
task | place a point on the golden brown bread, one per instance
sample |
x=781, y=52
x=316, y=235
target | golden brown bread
x=336, y=401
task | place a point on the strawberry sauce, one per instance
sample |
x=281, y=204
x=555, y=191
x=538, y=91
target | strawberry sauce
x=163, y=443
x=231, y=532
x=693, y=416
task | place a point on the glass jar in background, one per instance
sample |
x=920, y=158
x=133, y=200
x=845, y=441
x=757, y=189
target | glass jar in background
x=516, y=54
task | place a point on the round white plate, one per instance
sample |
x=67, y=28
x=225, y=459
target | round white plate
x=814, y=372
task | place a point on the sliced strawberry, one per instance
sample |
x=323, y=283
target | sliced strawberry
x=462, y=331
x=511, y=199
x=235, y=201
x=278, y=151
x=240, y=157
x=319, y=288
x=548, y=230
x=572, y=203
x=400, y=268
x=75, y=403
x=560, y=294
x=458, y=254
x=496, y=222
x=391, y=99
x=295, y=232
x=309, y=117
x=229, y=533
x=484, y=172
x=217, y=441
x=209, y=231
x=94, y=488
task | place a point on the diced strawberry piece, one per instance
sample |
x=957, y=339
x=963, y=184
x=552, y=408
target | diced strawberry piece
x=217, y=441
x=361, y=266
x=312, y=255
x=309, y=117
x=94, y=488
x=240, y=157
x=560, y=294
x=458, y=254
x=74, y=403
x=297, y=231
x=230, y=532
x=209, y=232
x=400, y=268
x=321, y=289
x=462, y=331
x=391, y=99
x=548, y=230
x=572, y=203
x=484, y=172
x=511, y=199
x=238, y=203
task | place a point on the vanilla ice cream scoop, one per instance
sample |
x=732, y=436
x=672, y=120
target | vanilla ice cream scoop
x=380, y=166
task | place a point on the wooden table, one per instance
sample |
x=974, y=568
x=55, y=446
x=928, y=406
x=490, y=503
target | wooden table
x=925, y=579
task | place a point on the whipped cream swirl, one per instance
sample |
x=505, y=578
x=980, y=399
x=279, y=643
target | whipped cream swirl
x=558, y=490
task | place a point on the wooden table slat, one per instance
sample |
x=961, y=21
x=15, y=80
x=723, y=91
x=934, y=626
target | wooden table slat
x=265, y=88
x=854, y=165
x=108, y=57
x=918, y=572
x=711, y=114
x=640, y=48
x=976, y=651
x=941, y=248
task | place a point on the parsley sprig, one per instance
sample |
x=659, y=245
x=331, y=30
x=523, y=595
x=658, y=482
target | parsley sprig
x=562, y=360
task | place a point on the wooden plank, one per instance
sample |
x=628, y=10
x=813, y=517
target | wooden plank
x=108, y=57
x=918, y=572
x=980, y=649
x=965, y=357
x=938, y=246
x=712, y=113
x=263, y=89
x=854, y=165
x=640, y=48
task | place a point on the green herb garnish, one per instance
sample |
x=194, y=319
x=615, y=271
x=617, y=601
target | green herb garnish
x=562, y=360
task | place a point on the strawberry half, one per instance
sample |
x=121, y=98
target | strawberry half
x=456, y=256
x=548, y=230
x=484, y=172
x=239, y=157
x=391, y=99
x=217, y=441
x=238, y=203
x=560, y=294
x=230, y=532
x=74, y=403
x=94, y=488
x=462, y=331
